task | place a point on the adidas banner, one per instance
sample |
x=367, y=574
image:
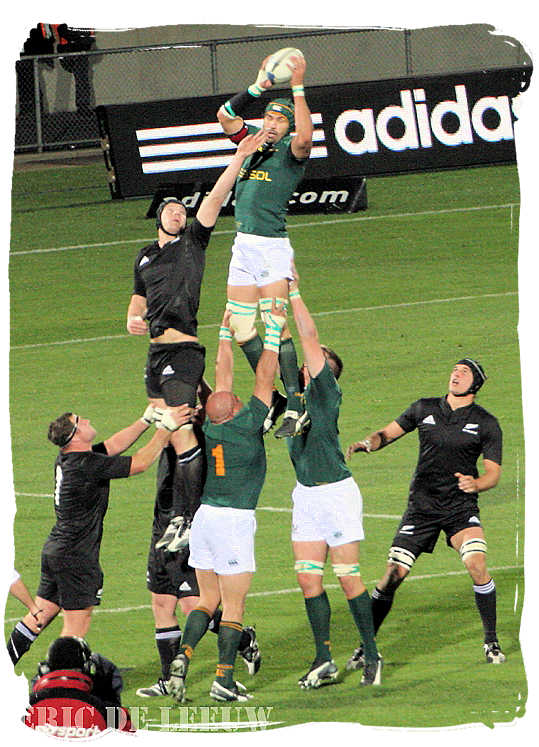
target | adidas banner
x=360, y=129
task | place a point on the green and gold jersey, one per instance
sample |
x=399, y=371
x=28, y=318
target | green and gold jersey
x=236, y=458
x=316, y=454
x=264, y=186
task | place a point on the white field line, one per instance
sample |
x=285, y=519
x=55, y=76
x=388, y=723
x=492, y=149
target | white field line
x=296, y=590
x=333, y=312
x=275, y=509
x=307, y=224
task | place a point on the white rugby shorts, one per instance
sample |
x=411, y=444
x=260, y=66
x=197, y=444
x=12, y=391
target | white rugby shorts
x=223, y=540
x=332, y=513
x=260, y=260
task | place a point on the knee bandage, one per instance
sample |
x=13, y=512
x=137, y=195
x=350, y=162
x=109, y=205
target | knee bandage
x=265, y=306
x=472, y=547
x=402, y=557
x=346, y=569
x=309, y=566
x=242, y=321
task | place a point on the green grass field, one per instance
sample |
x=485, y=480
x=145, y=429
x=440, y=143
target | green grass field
x=403, y=290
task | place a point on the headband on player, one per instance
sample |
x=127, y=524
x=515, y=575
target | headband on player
x=284, y=107
x=479, y=376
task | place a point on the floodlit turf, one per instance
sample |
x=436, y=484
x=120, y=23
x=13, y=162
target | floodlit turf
x=426, y=275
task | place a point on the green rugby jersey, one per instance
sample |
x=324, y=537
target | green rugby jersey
x=264, y=186
x=236, y=458
x=316, y=454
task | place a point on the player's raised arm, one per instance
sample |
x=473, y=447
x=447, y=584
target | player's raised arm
x=308, y=334
x=230, y=114
x=274, y=321
x=212, y=203
x=302, y=141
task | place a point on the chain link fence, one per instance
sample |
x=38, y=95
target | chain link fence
x=57, y=94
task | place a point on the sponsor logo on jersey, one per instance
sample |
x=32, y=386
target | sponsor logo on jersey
x=471, y=428
x=258, y=175
x=429, y=420
x=407, y=529
x=473, y=520
x=167, y=371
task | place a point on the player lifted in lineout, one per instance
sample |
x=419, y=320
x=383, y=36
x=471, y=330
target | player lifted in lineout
x=261, y=253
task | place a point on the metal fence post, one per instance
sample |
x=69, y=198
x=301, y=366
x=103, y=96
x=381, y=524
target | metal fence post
x=408, y=51
x=213, y=59
x=37, y=102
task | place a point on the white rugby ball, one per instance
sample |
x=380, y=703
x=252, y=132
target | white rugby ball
x=279, y=65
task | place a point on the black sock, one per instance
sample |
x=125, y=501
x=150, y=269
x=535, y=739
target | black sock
x=252, y=350
x=485, y=599
x=167, y=641
x=20, y=640
x=381, y=605
x=188, y=482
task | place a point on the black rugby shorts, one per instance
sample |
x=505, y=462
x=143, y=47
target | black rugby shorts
x=73, y=583
x=418, y=532
x=174, y=371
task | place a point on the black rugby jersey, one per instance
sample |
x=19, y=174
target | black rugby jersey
x=81, y=497
x=449, y=441
x=170, y=278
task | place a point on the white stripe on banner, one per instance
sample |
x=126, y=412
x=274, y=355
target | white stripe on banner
x=209, y=162
x=193, y=130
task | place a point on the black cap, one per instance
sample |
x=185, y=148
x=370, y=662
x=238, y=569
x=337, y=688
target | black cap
x=160, y=209
x=479, y=376
x=68, y=652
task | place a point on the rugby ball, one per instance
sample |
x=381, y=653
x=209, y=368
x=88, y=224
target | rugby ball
x=279, y=65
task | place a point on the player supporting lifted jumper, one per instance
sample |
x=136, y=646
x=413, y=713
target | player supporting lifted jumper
x=327, y=511
x=172, y=583
x=71, y=576
x=166, y=295
x=453, y=433
x=262, y=253
x=222, y=536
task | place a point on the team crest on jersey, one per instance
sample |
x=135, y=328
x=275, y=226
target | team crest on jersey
x=471, y=428
x=143, y=261
x=167, y=371
x=429, y=420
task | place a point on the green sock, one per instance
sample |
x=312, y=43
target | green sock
x=253, y=350
x=228, y=640
x=288, y=363
x=361, y=610
x=319, y=613
x=195, y=627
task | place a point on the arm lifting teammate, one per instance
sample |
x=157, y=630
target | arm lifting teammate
x=222, y=536
x=71, y=576
x=327, y=508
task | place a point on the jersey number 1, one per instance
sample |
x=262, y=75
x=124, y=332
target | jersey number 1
x=219, y=460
